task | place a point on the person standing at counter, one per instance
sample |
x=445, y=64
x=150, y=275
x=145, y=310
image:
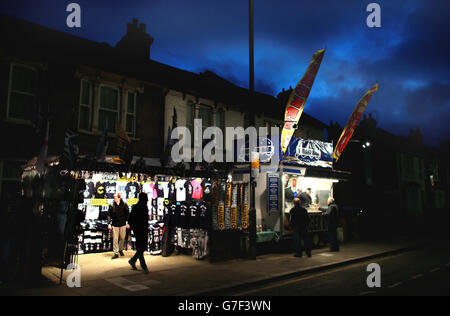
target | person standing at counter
x=299, y=220
x=305, y=198
x=331, y=212
x=117, y=221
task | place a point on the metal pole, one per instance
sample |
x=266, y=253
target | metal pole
x=251, y=46
x=252, y=209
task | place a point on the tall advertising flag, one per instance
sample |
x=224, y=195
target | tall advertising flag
x=297, y=100
x=349, y=129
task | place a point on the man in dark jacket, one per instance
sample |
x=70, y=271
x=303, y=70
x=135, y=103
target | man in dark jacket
x=117, y=221
x=299, y=219
x=305, y=198
x=331, y=212
x=139, y=224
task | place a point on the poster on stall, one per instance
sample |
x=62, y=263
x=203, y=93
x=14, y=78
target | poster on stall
x=273, y=192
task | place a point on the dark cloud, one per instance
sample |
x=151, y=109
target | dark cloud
x=408, y=55
x=430, y=98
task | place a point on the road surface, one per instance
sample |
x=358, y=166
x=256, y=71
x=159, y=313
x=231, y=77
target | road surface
x=419, y=272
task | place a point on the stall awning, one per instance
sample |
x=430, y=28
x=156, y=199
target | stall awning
x=314, y=172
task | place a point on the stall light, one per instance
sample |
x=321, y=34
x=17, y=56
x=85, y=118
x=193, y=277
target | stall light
x=368, y=144
x=364, y=146
x=230, y=178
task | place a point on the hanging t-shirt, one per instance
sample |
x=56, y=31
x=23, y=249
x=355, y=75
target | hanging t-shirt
x=207, y=190
x=197, y=190
x=194, y=215
x=100, y=191
x=92, y=212
x=173, y=213
x=162, y=189
x=132, y=190
x=180, y=190
x=189, y=190
x=149, y=188
x=183, y=216
x=90, y=190
x=110, y=188
x=155, y=239
x=154, y=209
x=159, y=189
x=165, y=187
x=172, y=191
x=160, y=208
x=203, y=215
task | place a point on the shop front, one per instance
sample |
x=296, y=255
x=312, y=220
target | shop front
x=189, y=211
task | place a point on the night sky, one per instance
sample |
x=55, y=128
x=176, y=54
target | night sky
x=409, y=56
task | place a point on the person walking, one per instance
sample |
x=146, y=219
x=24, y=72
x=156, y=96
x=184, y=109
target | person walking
x=331, y=212
x=139, y=224
x=117, y=222
x=299, y=219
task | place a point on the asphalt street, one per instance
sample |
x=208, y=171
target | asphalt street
x=424, y=271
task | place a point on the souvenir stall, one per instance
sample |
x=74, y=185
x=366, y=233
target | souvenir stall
x=184, y=206
x=183, y=210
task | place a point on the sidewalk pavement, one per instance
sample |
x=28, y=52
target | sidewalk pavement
x=184, y=276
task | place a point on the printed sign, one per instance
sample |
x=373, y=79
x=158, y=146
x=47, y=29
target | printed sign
x=273, y=192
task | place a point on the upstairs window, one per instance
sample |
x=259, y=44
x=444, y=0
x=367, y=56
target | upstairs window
x=190, y=116
x=130, y=115
x=206, y=115
x=86, y=104
x=22, y=92
x=108, y=114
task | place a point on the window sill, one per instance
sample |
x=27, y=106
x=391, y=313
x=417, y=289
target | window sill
x=98, y=133
x=18, y=121
x=83, y=131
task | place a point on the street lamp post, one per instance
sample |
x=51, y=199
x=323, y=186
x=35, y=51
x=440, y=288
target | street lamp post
x=252, y=208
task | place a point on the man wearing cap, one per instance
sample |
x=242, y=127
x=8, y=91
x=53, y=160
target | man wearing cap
x=117, y=222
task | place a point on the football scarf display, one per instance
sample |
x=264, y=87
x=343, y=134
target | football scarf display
x=227, y=214
x=240, y=204
x=221, y=207
x=244, y=213
x=234, y=202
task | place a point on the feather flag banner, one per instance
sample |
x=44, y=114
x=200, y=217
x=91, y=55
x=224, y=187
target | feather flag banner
x=297, y=100
x=349, y=129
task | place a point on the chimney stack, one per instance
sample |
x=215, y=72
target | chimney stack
x=136, y=42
